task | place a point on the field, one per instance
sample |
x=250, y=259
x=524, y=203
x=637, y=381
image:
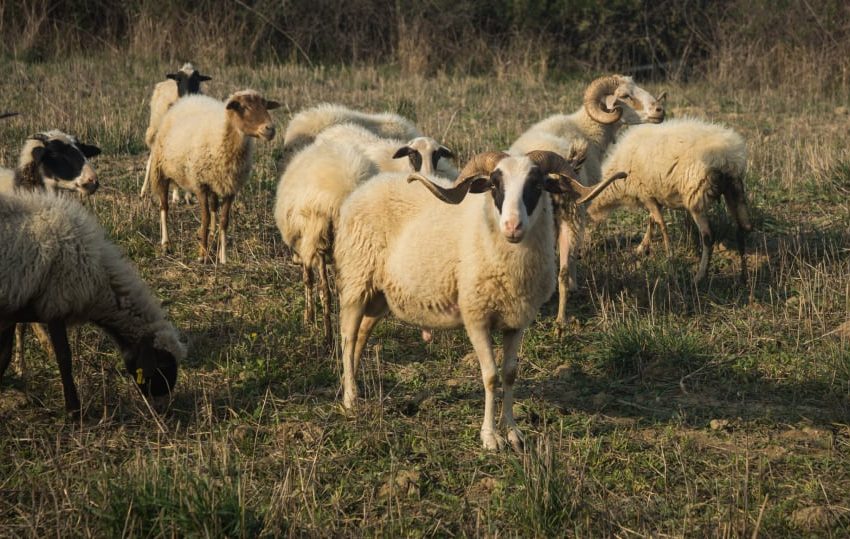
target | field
x=667, y=409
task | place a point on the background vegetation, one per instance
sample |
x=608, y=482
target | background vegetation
x=666, y=410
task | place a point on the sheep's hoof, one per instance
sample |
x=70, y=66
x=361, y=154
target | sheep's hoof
x=642, y=250
x=516, y=440
x=699, y=277
x=491, y=440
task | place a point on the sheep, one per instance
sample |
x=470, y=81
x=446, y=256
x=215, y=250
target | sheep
x=424, y=154
x=683, y=163
x=307, y=124
x=609, y=103
x=53, y=160
x=57, y=267
x=318, y=179
x=206, y=147
x=187, y=81
x=439, y=259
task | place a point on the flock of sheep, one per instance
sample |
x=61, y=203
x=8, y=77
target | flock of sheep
x=378, y=199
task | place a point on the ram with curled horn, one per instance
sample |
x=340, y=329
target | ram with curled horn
x=609, y=103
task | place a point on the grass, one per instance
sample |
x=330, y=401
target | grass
x=666, y=410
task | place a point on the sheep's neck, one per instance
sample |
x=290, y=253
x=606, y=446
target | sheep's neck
x=599, y=135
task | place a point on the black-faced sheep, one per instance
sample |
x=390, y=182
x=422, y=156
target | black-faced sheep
x=609, y=103
x=683, y=163
x=57, y=267
x=437, y=258
x=53, y=160
x=206, y=147
x=186, y=81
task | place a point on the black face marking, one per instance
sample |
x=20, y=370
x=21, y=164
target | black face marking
x=498, y=189
x=60, y=160
x=532, y=190
x=153, y=370
x=441, y=152
x=415, y=159
x=187, y=84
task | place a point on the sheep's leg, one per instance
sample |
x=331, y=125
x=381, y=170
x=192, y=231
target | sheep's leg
x=213, y=202
x=325, y=296
x=739, y=213
x=162, y=192
x=307, y=277
x=7, y=338
x=350, y=316
x=175, y=195
x=20, y=358
x=375, y=310
x=566, y=273
x=511, y=340
x=656, y=215
x=59, y=338
x=226, y=204
x=707, y=244
x=643, y=248
x=479, y=335
x=203, y=232
x=147, y=181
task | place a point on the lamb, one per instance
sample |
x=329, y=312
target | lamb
x=609, y=103
x=683, y=163
x=187, y=81
x=320, y=177
x=206, y=147
x=439, y=259
x=59, y=268
x=307, y=124
x=53, y=160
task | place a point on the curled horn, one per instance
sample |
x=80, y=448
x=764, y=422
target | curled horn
x=589, y=193
x=552, y=163
x=7, y=114
x=477, y=169
x=593, y=96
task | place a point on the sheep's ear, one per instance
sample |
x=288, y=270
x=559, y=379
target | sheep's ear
x=38, y=153
x=203, y=78
x=662, y=96
x=562, y=184
x=271, y=105
x=442, y=151
x=611, y=102
x=404, y=151
x=172, y=76
x=89, y=150
x=234, y=105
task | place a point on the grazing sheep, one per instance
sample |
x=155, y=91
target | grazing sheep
x=320, y=177
x=206, y=147
x=684, y=163
x=307, y=124
x=437, y=258
x=53, y=160
x=187, y=81
x=609, y=103
x=57, y=267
